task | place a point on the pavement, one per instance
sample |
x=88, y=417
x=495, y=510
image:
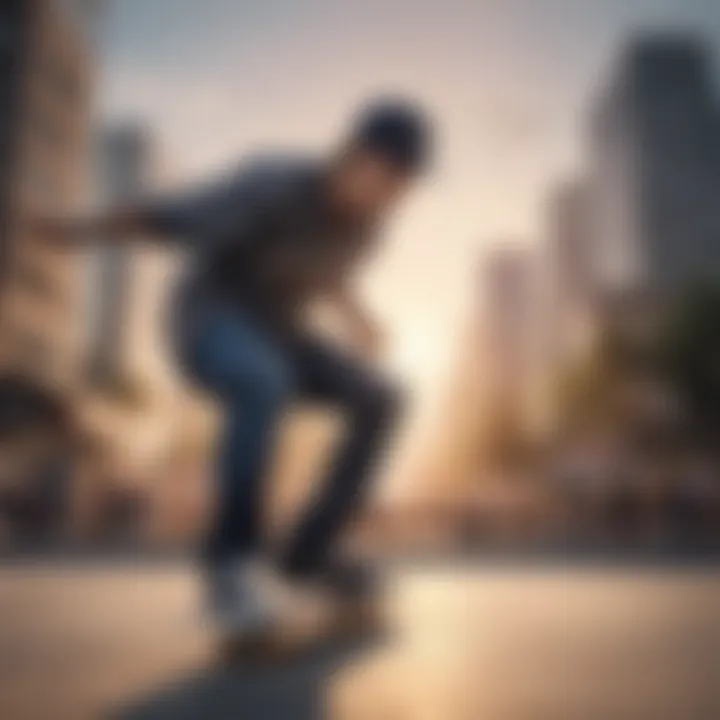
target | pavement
x=520, y=642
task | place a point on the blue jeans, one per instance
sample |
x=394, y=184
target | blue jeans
x=255, y=373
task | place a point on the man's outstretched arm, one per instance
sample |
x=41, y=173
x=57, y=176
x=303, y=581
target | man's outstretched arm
x=113, y=226
x=227, y=208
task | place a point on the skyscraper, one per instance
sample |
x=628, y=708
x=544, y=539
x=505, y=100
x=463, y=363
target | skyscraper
x=133, y=407
x=124, y=173
x=45, y=82
x=508, y=302
x=130, y=282
x=655, y=168
x=572, y=270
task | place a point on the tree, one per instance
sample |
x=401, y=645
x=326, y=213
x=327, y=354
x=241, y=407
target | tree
x=688, y=358
x=588, y=388
x=669, y=376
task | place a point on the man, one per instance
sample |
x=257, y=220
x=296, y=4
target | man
x=271, y=238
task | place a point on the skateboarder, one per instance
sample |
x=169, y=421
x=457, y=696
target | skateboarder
x=272, y=236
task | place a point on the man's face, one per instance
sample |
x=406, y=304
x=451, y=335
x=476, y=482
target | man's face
x=368, y=185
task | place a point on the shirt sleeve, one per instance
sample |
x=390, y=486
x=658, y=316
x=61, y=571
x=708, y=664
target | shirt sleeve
x=225, y=209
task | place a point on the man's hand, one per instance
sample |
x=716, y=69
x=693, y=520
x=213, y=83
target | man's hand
x=365, y=333
x=371, y=339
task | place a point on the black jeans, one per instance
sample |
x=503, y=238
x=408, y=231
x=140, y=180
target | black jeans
x=255, y=375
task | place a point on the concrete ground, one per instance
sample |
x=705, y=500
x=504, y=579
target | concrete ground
x=504, y=643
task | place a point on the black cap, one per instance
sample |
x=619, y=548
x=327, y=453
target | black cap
x=398, y=130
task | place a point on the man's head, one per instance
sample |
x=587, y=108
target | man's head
x=389, y=147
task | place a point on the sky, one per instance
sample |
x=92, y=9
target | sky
x=509, y=81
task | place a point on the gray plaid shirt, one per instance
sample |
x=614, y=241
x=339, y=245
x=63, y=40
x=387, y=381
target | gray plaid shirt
x=263, y=238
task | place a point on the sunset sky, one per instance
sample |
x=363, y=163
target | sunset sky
x=508, y=80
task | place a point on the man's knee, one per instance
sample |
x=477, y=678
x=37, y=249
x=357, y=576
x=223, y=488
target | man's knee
x=268, y=385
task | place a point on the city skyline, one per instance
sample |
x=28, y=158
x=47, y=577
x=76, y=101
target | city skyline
x=509, y=82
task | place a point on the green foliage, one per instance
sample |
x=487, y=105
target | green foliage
x=688, y=354
x=681, y=355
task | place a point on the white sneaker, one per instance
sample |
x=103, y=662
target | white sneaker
x=251, y=599
x=237, y=603
x=304, y=610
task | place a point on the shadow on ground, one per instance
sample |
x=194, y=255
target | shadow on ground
x=293, y=688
